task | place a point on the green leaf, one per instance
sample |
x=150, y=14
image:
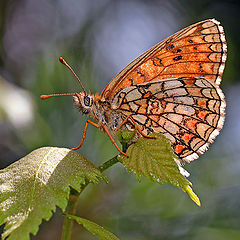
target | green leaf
x=94, y=228
x=155, y=159
x=31, y=188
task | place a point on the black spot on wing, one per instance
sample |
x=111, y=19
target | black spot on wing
x=177, y=58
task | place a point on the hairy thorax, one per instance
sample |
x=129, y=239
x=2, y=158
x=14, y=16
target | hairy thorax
x=109, y=117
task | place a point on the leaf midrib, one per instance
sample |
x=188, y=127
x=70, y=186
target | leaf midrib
x=36, y=175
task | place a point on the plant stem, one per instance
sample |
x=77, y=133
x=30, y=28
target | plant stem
x=108, y=164
x=70, y=209
x=73, y=201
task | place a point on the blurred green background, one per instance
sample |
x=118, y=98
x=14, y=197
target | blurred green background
x=99, y=38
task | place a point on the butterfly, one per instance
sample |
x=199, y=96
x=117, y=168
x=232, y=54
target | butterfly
x=172, y=89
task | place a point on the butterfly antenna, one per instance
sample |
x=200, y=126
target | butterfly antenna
x=66, y=64
x=56, y=95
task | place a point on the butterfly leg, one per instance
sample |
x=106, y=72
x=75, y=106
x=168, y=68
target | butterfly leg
x=104, y=127
x=124, y=121
x=84, y=132
x=135, y=124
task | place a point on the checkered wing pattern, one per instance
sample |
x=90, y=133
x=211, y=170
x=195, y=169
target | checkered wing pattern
x=188, y=111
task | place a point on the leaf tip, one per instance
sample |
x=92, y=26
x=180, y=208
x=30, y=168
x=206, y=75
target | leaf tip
x=192, y=195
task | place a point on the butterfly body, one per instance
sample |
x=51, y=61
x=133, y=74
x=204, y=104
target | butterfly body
x=188, y=111
x=172, y=89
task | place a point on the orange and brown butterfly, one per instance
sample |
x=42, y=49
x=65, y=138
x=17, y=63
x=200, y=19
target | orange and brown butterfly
x=172, y=89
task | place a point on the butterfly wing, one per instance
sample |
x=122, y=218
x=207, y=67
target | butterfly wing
x=199, y=50
x=188, y=111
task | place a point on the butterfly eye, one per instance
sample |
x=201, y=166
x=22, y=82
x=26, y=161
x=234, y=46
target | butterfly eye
x=87, y=101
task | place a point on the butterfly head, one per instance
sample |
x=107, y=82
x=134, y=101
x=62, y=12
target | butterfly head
x=83, y=102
